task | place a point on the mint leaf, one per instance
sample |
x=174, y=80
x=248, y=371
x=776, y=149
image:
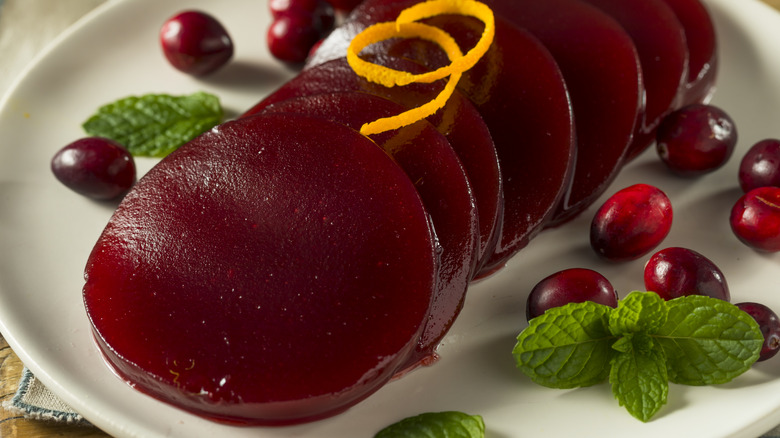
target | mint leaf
x=154, y=125
x=449, y=424
x=566, y=347
x=707, y=341
x=642, y=345
x=638, y=312
x=639, y=380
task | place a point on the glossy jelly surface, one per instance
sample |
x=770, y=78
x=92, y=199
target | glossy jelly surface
x=663, y=54
x=429, y=161
x=275, y=270
x=606, y=95
x=519, y=90
x=458, y=121
x=702, y=47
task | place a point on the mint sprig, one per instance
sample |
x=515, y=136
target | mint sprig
x=154, y=125
x=708, y=344
x=640, y=346
x=568, y=349
x=448, y=424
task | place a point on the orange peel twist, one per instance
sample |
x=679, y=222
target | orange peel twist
x=407, y=25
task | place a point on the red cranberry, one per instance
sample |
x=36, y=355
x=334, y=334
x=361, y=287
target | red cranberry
x=195, y=43
x=291, y=37
x=696, y=139
x=345, y=5
x=755, y=219
x=631, y=223
x=677, y=272
x=95, y=167
x=760, y=166
x=321, y=13
x=574, y=285
x=770, y=327
x=298, y=26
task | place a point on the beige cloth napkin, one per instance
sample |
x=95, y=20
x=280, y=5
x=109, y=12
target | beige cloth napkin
x=35, y=401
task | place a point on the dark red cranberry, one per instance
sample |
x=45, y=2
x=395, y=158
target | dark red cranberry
x=631, y=223
x=195, y=43
x=575, y=285
x=291, y=37
x=760, y=167
x=95, y=167
x=282, y=7
x=696, y=139
x=321, y=13
x=345, y=5
x=676, y=272
x=770, y=327
x=755, y=219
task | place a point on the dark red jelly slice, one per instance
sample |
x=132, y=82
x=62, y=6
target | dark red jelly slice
x=520, y=93
x=663, y=53
x=429, y=161
x=275, y=270
x=702, y=45
x=603, y=75
x=459, y=121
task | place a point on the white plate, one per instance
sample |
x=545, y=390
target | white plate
x=46, y=233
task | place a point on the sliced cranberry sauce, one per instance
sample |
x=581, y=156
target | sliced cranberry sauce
x=702, y=42
x=520, y=93
x=429, y=161
x=602, y=72
x=281, y=267
x=276, y=270
x=459, y=121
x=663, y=53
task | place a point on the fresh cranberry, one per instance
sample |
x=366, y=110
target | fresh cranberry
x=291, y=37
x=297, y=27
x=195, y=43
x=696, y=139
x=760, y=166
x=95, y=167
x=770, y=327
x=345, y=5
x=575, y=285
x=755, y=219
x=322, y=15
x=676, y=272
x=631, y=223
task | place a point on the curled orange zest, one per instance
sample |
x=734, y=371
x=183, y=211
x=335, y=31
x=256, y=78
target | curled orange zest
x=407, y=26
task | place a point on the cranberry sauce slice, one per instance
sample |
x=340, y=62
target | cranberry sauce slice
x=603, y=75
x=459, y=121
x=663, y=54
x=520, y=93
x=275, y=270
x=429, y=161
x=702, y=45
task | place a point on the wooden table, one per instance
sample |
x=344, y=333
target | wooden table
x=12, y=425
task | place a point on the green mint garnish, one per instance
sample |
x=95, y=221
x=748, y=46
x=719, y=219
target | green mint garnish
x=638, y=377
x=154, y=125
x=449, y=424
x=568, y=348
x=708, y=344
x=640, y=346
